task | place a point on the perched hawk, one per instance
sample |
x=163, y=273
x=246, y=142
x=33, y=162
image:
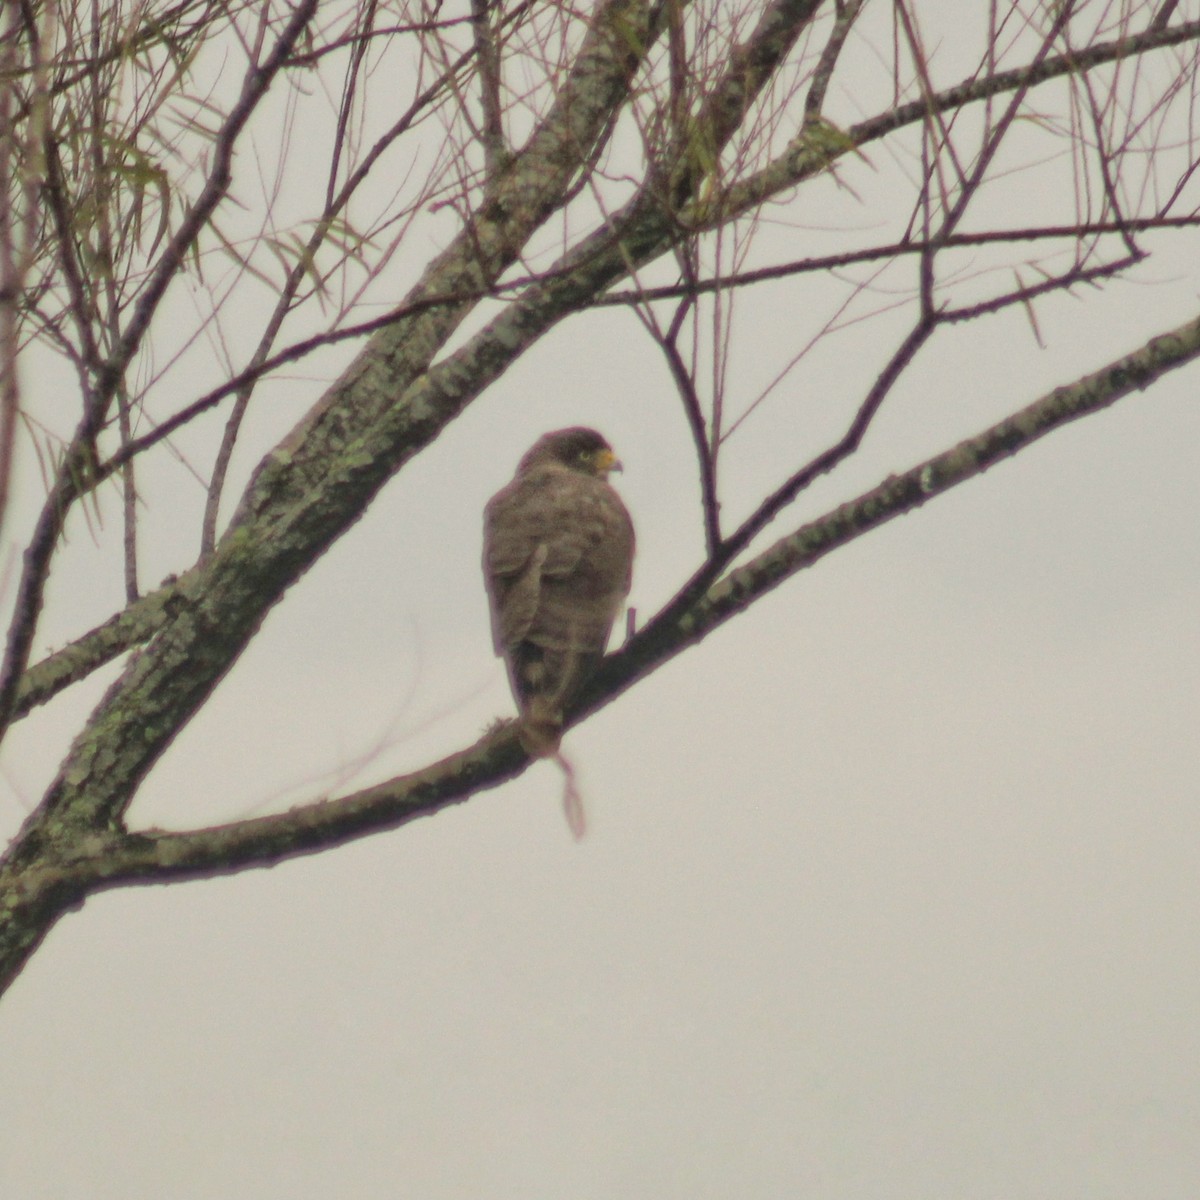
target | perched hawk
x=557, y=560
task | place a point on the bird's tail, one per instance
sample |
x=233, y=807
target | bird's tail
x=540, y=735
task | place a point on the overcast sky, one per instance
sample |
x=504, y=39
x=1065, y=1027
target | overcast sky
x=890, y=889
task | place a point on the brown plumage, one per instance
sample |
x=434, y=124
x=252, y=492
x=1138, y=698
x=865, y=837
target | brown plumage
x=557, y=559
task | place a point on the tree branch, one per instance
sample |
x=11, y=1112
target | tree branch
x=892, y=250
x=132, y=626
x=495, y=145
x=823, y=72
x=687, y=619
x=34, y=894
x=819, y=144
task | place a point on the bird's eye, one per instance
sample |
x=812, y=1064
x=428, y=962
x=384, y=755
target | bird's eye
x=585, y=456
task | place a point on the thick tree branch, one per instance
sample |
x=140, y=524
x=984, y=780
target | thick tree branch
x=132, y=626
x=822, y=74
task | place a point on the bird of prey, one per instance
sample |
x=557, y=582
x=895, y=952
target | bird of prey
x=557, y=560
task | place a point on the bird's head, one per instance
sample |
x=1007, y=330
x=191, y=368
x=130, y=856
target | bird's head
x=578, y=448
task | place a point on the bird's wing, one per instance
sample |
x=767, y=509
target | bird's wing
x=558, y=553
x=535, y=510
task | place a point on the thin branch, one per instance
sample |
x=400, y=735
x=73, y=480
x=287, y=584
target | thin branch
x=81, y=302
x=306, y=346
x=704, y=604
x=1050, y=67
x=822, y=74
x=495, y=144
x=1024, y=295
x=132, y=626
x=1163, y=16
x=891, y=250
x=129, y=500
x=364, y=20
x=13, y=268
x=668, y=342
x=831, y=457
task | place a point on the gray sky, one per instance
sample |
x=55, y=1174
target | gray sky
x=890, y=889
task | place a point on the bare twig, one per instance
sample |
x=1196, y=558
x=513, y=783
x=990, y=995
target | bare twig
x=668, y=342
x=835, y=454
x=1025, y=295
x=1163, y=17
x=888, y=252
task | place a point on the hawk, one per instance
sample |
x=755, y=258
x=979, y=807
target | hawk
x=557, y=560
